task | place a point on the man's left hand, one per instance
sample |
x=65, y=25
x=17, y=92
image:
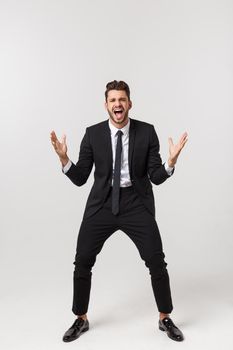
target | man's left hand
x=175, y=150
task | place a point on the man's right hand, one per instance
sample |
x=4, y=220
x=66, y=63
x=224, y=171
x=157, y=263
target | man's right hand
x=60, y=147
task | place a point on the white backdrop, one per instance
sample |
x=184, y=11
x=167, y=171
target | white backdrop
x=56, y=58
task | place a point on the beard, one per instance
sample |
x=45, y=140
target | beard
x=116, y=120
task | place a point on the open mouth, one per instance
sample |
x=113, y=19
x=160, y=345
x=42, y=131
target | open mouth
x=118, y=112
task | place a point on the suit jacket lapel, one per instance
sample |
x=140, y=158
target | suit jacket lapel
x=108, y=142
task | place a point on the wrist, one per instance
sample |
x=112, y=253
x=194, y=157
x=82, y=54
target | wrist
x=64, y=160
x=171, y=162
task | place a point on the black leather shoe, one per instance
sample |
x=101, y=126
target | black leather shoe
x=172, y=331
x=78, y=327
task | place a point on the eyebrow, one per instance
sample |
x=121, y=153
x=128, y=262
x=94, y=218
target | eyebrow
x=121, y=98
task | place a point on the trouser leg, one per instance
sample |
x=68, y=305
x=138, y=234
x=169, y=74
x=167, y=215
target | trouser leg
x=92, y=234
x=142, y=229
x=82, y=284
x=160, y=282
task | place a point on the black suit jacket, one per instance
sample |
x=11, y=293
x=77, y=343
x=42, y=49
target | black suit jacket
x=145, y=164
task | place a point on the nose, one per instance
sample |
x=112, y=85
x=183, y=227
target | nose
x=118, y=104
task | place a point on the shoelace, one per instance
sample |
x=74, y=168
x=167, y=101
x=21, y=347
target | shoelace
x=168, y=323
x=79, y=322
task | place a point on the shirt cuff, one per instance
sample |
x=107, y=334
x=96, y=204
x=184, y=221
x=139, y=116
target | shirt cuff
x=168, y=169
x=67, y=166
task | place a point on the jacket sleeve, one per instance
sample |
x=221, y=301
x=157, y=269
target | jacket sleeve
x=80, y=172
x=155, y=169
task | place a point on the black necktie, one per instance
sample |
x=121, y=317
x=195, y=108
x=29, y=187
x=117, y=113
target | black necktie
x=117, y=174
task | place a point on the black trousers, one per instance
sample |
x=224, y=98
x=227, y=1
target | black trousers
x=136, y=221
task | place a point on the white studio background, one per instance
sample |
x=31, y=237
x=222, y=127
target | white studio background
x=56, y=58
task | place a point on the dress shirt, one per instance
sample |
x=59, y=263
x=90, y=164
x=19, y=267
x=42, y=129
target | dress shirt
x=125, y=177
x=125, y=180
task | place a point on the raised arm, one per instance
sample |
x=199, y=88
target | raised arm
x=60, y=147
x=155, y=169
x=78, y=173
x=175, y=150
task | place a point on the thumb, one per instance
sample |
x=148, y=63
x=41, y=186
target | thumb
x=170, y=141
x=64, y=139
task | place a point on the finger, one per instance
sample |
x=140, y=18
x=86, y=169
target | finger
x=183, y=137
x=54, y=143
x=184, y=142
x=53, y=139
x=53, y=136
x=170, y=141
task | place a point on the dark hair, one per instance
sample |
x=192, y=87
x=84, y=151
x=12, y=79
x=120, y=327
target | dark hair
x=117, y=85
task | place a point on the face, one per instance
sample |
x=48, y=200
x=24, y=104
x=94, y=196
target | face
x=118, y=106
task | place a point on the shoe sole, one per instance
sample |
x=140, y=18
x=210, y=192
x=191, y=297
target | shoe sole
x=71, y=339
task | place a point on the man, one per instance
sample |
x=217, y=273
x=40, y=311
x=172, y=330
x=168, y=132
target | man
x=126, y=156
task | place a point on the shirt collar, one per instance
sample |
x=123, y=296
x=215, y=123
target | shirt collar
x=114, y=130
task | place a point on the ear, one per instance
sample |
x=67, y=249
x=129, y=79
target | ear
x=105, y=105
x=130, y=104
